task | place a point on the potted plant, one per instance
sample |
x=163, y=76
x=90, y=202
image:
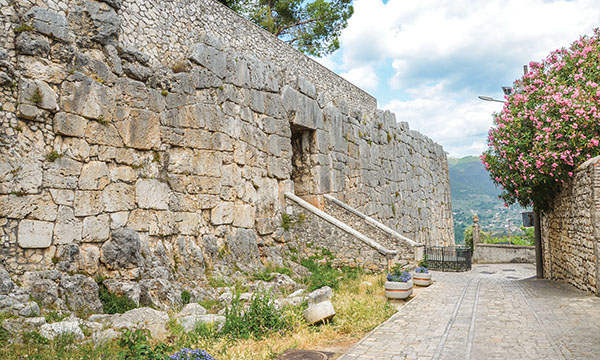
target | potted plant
x=422, y=276
x=399, y=284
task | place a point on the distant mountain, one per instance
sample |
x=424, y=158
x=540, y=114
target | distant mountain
x=473, y=192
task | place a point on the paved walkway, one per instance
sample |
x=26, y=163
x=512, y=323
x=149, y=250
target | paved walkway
x=491, y=312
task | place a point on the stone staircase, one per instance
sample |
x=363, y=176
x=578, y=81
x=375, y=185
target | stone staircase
x=353, y=238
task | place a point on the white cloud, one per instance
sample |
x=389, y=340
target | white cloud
x=363, y=77
x=460, y=126
x=443, y=53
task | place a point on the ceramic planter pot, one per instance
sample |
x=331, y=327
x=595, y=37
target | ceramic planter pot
x=422, y=279
x=398, y=290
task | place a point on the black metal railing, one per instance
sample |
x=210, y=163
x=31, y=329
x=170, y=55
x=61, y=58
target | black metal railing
x=448, y=258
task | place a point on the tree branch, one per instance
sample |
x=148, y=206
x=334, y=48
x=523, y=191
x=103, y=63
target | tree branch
x=284, y=28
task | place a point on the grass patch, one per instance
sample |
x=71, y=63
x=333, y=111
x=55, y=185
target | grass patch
x=112, y=303
x=53, y=155
x=323, y=274
x=359, y=303
x=286, y=221
x=22, y=28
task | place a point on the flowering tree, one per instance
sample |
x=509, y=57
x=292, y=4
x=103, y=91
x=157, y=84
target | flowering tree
x=548, y=126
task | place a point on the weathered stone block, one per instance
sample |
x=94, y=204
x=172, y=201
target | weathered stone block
x=86, y=97
x=70, y=124
x=67, y=228
x=118, y=197
x=122, y=250
x=140, y=129
x=88, y=203
x=37, y=93
x=30, y=43
x=152, y=194
x=96, y=228
x=244, y=215
x=222, y=214
x=35, y=234
x=49, y=22
x=94, y=176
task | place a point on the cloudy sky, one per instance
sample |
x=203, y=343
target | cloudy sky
x=428, y=60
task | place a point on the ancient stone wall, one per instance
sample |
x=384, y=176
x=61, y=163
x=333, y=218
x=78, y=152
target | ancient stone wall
x=186, y=124
x=570, y=232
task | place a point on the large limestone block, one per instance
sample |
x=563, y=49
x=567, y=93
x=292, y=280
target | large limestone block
x=50, y=23
x=102, y=134
x=89, y=258
x=70, y=124
x=200, y=162
x=68, y=228
x=139, y=129
x=118, y=197
x=318, y=313
x=222, y=214
x=122, y=251
x=146, y=318
x=190, y=322
x=96, y=228
x=322, y=294
x=35, y=234
x=244, y=248
x=51, y=331
x=244, y=215
x=88, y=203
x=94, y=176
x=301, y=110
x=152, y=194
x=192, y=309
x=20, y=174
x=124, y=288
x=62, y=173
x=87, y=97
x=80, y=293
x=188, y=223
x=37, y=93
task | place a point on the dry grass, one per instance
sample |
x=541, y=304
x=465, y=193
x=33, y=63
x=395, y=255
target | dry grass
x=360, y=306
x=359, y=303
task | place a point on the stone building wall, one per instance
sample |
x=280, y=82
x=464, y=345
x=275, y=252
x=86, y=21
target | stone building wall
x=186, y=124
x=570, y=232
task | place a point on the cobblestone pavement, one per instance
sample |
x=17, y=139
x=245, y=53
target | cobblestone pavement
x=491, y=312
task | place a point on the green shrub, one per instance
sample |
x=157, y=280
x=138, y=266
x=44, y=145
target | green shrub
x=286, y=221
x=260, y=318
x=55, y=316
x=264, y=275
x=53, y=155
x=186, y=296
x=135, y=344
x=322, y=274
x=114, y=304
x=34, y=338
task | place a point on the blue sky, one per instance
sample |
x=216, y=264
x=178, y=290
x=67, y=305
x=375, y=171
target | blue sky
x=428, y=60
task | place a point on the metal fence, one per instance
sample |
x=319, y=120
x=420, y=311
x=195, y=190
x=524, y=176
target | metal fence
x=449, y=258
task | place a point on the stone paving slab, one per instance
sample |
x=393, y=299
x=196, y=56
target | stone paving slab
x=495, y=311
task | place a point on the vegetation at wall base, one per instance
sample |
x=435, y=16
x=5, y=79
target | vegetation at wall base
x=359, y=303
x=549, y=125
x=112, y=303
